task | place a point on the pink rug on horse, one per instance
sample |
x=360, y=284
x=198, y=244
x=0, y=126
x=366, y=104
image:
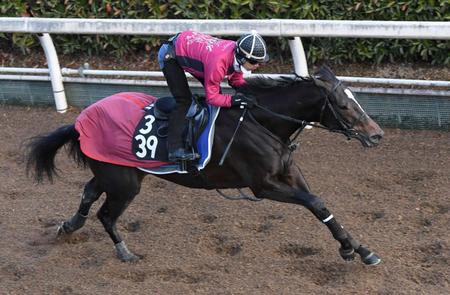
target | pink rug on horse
x=106, y=129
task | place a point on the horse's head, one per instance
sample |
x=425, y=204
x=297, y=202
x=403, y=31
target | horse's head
x=342, y=113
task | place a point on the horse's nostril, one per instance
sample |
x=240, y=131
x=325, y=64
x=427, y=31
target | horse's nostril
x=376, y=138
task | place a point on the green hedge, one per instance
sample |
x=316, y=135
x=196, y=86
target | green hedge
x=337, y=50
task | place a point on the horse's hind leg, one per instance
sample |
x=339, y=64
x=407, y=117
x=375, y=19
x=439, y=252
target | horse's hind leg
x=108, y=214
x=121, y=184
x=91, y=193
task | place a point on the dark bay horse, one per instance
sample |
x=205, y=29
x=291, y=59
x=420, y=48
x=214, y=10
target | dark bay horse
x=259, y=158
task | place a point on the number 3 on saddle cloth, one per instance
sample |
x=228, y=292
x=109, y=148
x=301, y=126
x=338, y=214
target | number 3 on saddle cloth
x=150, y=136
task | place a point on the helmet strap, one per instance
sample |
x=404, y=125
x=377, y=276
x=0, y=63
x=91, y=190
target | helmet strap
x=237, y=66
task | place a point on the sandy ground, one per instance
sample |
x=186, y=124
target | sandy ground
x=394, y=198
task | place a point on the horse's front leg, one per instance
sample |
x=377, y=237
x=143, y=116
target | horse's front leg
x=290, y=188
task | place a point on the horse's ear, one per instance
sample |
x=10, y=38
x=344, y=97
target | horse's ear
x=319, y=81
x=326, y=74
x=316, y=71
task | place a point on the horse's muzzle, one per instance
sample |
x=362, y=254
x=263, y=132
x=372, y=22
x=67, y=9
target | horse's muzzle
x=370, y=140
x=375, y=139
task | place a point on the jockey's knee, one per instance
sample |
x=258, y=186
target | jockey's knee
x=166, y=53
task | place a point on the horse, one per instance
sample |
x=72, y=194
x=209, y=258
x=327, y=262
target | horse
x=259, y=158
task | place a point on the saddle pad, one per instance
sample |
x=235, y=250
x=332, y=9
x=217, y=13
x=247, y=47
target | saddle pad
x=204, y=148
x=106, y=129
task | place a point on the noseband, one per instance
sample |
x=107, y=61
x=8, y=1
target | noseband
x=347, y=128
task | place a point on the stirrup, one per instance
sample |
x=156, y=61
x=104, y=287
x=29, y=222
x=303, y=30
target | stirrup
x=182, y=155
x=187, y=166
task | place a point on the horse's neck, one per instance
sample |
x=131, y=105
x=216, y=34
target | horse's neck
x=301, y=103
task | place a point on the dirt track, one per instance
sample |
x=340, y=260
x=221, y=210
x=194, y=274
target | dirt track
x=395, y=199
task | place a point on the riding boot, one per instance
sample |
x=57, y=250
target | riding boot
x=175, y=142
x=178, y=85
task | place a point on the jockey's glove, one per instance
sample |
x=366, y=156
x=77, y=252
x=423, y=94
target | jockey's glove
x=243, y=101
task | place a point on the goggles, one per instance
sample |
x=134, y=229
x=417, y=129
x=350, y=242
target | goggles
x=253, y=62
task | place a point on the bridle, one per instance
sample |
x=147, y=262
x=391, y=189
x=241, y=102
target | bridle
x=347, y=127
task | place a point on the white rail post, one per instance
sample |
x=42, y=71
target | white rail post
x=55, y=72
x=298, y=56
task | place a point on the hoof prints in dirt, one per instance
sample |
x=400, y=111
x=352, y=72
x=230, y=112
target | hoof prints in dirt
x=171, y=274
x=15, y=271
x=135, y=276
x=274, y=217
x=265, y=227
x=224, y=245
x=162, y=209
x=298, y=251
x=49, y=222
x=92, y=262
x=208, y=218
x=75, y=238
x=13, y=195
x=133, y=226
x=416, y=180
x=178, y=275
x=372, y=216
x=322, y=274
x=434, y=253
x=432, y=277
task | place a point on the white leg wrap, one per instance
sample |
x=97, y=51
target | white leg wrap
x=328, y=218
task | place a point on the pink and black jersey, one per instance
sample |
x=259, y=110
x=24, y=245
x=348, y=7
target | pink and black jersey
x=210, y=60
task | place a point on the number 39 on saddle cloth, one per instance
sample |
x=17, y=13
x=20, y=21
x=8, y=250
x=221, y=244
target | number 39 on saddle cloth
x=130, y=129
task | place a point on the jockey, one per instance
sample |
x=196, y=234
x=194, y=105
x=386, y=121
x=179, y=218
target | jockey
x=210, y=60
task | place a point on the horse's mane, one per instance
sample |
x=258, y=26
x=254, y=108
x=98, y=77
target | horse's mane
x=263, y=84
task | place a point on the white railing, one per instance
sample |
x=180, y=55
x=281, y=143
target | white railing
x=86, y=73
x=272, y=27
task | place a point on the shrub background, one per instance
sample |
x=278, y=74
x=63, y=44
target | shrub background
x=334, y=50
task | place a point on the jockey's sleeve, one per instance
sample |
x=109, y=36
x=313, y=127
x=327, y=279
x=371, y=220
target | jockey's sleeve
x=212, y=88
x=236, y=79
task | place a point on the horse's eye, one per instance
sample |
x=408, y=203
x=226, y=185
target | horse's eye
x=343, y=107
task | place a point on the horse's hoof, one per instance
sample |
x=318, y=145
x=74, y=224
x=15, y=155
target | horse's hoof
x=60, y=231
x=347, y=254
x=129, y=257
x=124, y=254
x=371, y=259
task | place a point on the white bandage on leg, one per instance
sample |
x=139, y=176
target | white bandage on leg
x=328, y=218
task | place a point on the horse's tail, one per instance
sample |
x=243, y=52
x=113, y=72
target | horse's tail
x=41, y=151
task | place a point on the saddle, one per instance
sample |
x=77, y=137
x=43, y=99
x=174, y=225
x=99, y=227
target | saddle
x=198, y=118
x=150, y=136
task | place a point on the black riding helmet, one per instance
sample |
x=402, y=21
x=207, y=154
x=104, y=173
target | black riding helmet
x=252, y=48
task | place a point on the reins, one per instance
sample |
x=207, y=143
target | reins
x=291, y=145
x=302, y=124
x=225, y=153
x=348, y=129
